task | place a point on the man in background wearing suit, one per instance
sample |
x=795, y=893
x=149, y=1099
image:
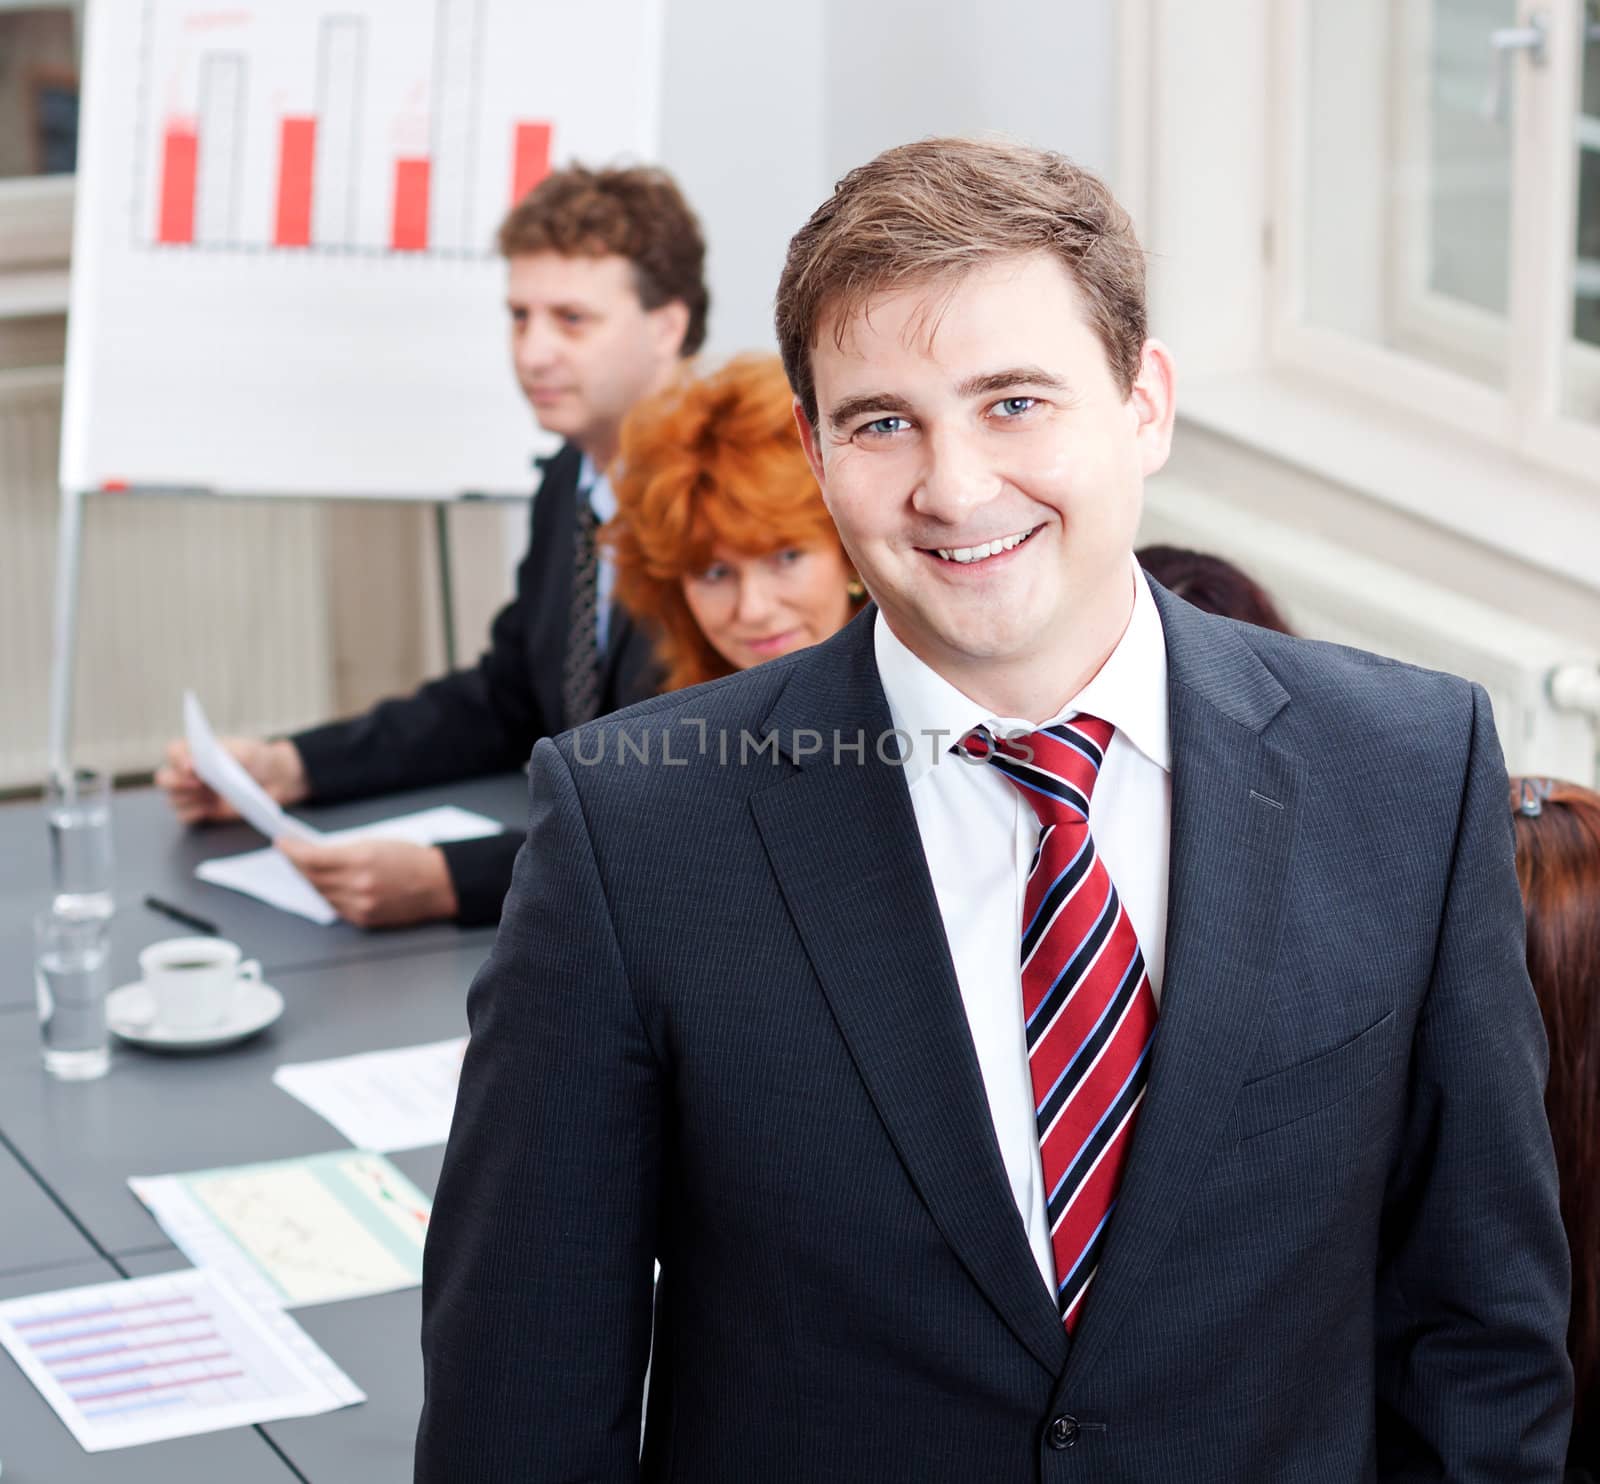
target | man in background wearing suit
x=606, y=293
x=1044, y=1032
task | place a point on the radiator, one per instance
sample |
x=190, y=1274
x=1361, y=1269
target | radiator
x=227, y=596
x=1326, y=592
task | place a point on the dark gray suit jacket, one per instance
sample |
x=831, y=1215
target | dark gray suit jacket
x=720, y=1027
x=485, y=719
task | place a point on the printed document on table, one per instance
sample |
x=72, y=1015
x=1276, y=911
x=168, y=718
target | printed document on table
x=268, y=876
x=384, y=1100
x=142, y=1360
x=297, y=1231
x=226, y=774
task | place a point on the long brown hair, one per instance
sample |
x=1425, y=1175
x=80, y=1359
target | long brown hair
x=1558, y=867
x=1212, y=583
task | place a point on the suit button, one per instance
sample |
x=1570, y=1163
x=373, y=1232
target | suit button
x=1063, y=1432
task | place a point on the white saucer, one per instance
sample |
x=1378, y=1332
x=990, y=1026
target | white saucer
x=131, y=1015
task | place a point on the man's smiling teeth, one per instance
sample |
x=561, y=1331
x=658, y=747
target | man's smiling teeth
x=988, y=549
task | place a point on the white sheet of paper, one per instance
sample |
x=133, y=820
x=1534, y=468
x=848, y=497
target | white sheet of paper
x=268, y=876
x=223, y=771
x=384, y=1100
x=145, y=1359
x=310, y=1230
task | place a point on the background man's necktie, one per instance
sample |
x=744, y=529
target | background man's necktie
x=580, y=674
x=1087, y=1006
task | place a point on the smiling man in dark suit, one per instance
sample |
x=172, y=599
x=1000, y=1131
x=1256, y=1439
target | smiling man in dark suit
x=1043, y=1032
x=605, y=289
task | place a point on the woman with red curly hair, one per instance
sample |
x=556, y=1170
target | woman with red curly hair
x=721, y=541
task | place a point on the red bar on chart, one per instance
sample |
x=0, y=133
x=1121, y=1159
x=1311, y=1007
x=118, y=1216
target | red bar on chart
x=297, y=149
x=532, y=159
x=409, y=232
x=180, y=157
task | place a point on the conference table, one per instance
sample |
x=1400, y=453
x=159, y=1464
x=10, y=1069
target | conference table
x=67, y=1216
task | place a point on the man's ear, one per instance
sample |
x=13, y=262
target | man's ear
x=671, y=322
x=1154, y=401
x=808, y=441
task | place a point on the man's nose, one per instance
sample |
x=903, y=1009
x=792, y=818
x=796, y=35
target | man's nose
x=956, y=477
x=535, y=345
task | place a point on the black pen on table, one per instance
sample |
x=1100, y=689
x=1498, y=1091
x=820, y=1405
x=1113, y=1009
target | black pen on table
x=187, y=919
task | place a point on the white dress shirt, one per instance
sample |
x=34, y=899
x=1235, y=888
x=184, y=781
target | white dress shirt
x=603, y=501
x=979, y=833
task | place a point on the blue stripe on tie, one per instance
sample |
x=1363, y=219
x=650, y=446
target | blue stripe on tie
x=1021, y=782
x=1110, y=1108
x=1088, y=1247
x=1073, y=1059
x=1028, y=928
x=1083, y=746
x=1110, y=902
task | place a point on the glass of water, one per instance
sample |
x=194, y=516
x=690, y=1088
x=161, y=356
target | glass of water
x=78, y=808
x=72, y=977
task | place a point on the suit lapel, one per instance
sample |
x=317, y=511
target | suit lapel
x=1234, y=801
x=843, y=842
x=550, y=547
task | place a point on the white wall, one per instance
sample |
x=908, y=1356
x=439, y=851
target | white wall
x=742, y=130
x=765, y=106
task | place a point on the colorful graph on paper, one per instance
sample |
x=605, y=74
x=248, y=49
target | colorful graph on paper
x=372, y=126
x=297, y=1231
x=164, y=1357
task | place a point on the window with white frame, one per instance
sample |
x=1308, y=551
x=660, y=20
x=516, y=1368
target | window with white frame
x=1438, y=202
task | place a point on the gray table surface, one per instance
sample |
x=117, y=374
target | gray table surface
x=155, y=1114
x=37, y=1448
x=34, y=1231
x=156, y=856
x=159, y=1115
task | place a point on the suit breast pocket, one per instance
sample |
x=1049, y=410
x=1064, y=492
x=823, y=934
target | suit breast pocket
x=1285, y=1097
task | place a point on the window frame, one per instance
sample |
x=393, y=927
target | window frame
x=1208, y=133
x=1526, y=415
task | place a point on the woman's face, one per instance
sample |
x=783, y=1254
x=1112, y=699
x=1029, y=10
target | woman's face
x=754, y=608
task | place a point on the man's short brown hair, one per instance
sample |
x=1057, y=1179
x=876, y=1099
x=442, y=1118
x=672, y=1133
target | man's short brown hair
x=934, y=210
x=638, y=213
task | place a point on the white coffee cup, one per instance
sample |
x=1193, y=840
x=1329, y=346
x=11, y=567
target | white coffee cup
x=194, y=982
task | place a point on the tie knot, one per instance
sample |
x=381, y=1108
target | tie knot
x=1053, y=768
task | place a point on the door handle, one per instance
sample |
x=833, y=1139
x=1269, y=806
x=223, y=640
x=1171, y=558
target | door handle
x=1504, y=43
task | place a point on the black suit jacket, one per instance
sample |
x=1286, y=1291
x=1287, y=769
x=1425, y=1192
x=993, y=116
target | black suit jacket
x=720, y=1027
x=486, y=719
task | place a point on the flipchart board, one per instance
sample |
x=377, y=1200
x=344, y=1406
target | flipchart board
x=284, y=270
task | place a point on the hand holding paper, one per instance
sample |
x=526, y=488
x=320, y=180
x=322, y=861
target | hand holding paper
x=375, y=882
x=223, y=772
x=267, y=874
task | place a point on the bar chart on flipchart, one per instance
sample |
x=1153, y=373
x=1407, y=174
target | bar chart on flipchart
x=375, y=128
x=271, y=192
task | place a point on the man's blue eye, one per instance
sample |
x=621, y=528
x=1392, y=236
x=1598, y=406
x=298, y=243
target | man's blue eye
x=1015, y=406
x=881, y=426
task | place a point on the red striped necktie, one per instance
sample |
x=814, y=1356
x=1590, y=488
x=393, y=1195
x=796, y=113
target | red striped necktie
x=1086, y=1001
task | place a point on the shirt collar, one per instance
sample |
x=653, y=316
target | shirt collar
x=1129, y=690
x=597, y=486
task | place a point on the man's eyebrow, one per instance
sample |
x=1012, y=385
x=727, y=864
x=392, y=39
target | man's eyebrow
x=853, y=407
x=997, y=381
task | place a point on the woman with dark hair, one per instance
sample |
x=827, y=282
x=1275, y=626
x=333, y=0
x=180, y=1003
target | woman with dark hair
x=722, y=544
x=1212, y=585
x=1557, y=827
